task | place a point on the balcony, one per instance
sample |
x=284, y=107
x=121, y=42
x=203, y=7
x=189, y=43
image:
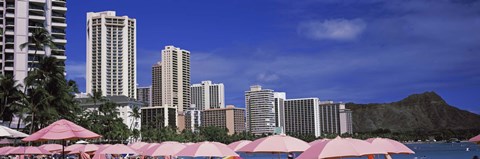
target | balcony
x=39, y=52
x=36, y=17
x=38, y=1
x=63, y=41
x=60, y=57
x=64, y=25
x=10, y=6
x=9, y=32
x=59, y=8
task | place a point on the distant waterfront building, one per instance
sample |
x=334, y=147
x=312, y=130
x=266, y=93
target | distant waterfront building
x=207, y=95
x=159, y=116
x=230, y=118
x=334, y=118
x=260, y=107
x=157, y=84
x=144, y=95
x=19, y=19
x=124, y=104
x=193, y=119
x=302, y=116
x=111, y=54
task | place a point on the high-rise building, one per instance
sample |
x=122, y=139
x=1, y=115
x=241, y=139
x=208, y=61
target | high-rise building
x=279, y=99
x=230, y=118
x=207, y=95
x=157, y=84
x=260, y=107
x=111, y=54
x=19, y=19
x=144, y=95
x=176, y=78
x=302, y=116
x=193, y=119
x=158, y=117
x=334, y=118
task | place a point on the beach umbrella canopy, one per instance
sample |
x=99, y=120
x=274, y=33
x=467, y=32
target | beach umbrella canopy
x=84, y=148
x=138, y=145
x=238, y=144
x=118, y=149
x=188, y=143
x=475, y=139
x=390, y=146
x=5, y=149
x=84, y=155
x=207, y=149
x=61, y=130
x=7, y=132
x=317, y=141
x=340, y=147
x=29, y=150
x=5, y=142
x=165, y=149
x=276, y=144
x=144, y=148
x=73, y=147
x=51, y=147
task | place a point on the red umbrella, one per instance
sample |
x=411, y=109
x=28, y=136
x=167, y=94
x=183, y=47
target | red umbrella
x=62, y=130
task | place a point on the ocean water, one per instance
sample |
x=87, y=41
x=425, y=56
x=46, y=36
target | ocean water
x=422, y=151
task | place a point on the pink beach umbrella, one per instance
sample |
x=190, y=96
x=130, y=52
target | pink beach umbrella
x=339, y=147
x=238, y=144
x=5, y=149
x=188, y=143
x=84, y=155
x=98, y=154
x=317, y=141
x=137, y=145
x=51, y=147
x=144, y=148
x=276, y=144
x=207, y=149
x=165, y=149
x=29, y=150
x=61, y=130
x=475, y=139
x=390, y=146
x=84, y=148
x=118, y=149
x=73, y=147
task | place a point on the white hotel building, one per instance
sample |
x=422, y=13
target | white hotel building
x=19, y=19
x=260, y=108
x=111, y=54
x=207, y=95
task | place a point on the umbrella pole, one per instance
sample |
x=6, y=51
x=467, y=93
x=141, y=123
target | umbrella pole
x=63, y=149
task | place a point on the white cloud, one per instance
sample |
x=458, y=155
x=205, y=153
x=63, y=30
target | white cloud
x=335, y=29
x=265, y=77
x=76, y=70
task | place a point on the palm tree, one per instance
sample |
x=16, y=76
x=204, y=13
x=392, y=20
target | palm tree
x=135, y=114
x=9, y=91
x=41, y=38
x=96, y=96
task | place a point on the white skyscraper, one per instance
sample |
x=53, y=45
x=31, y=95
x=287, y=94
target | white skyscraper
x=19, y=19
x=207, y=95
x=260, y=107
x=111, y=54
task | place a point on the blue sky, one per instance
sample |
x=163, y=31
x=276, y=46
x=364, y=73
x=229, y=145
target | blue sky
x=352, y=51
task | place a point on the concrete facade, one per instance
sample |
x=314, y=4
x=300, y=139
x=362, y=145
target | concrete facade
x=260, y=107
x=231, y=118
x=111, y=54
x=22, y=17
x=207, y=95
x=144, y=95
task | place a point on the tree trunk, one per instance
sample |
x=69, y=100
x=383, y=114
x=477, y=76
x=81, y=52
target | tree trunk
x=31, y=124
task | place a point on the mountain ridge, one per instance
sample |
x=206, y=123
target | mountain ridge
x=427, y=111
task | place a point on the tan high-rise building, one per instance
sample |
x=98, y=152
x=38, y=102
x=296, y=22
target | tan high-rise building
x=157, y=84
x=111, y=54
x=171, y=82
x=176, y=78
x=19, y=19
x=230, y=118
